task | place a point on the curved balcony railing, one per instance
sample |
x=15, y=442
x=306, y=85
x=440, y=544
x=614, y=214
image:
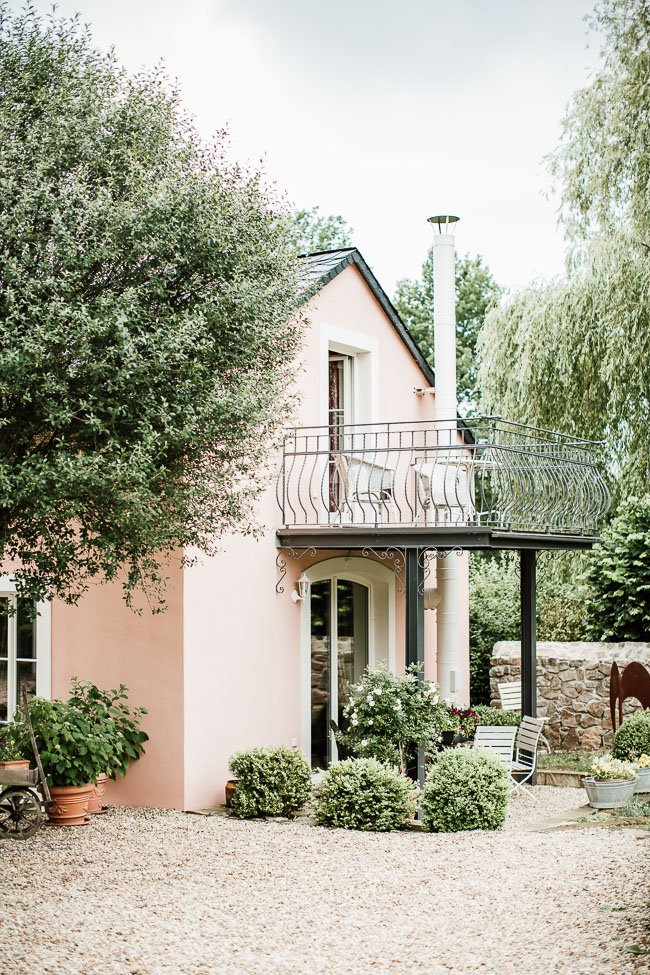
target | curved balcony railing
x=483, y=471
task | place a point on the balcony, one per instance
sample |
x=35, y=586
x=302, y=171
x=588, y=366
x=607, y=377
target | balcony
x=465, y=482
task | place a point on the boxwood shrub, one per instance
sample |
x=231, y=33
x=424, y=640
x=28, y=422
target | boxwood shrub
x=270, y=782
x=633, y=737
x=490, y=716
x=466, y=788
x=361, y=793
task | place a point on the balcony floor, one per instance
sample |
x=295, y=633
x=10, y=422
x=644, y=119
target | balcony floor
x=447, y=537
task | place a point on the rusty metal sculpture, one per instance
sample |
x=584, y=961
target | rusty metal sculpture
x=633, y=682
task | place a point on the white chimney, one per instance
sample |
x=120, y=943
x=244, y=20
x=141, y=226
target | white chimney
x=446, y=409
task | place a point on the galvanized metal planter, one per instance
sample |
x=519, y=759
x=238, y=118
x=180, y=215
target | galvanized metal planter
x=609, y=793
x=642, y=780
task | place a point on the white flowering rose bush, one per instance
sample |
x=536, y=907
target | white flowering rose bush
x=362, y=793
x=389, y=717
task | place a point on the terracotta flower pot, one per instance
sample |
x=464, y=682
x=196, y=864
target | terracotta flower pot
x=96, y=804
x=17, y=765
x=231, y=785
x=70, y=804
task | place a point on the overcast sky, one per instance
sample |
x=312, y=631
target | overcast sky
x=383, y=111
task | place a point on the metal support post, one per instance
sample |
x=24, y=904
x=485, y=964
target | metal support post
x=415, y=626
x=528, y=634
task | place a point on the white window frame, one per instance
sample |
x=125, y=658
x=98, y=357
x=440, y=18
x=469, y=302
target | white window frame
x=363, y=351
x=43, y=654
x=372, y=575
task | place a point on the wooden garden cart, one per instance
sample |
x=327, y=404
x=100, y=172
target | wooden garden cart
x=24, y=796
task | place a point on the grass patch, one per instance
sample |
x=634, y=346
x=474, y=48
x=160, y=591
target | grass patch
x=567, y=761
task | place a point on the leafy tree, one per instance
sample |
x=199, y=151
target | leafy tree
x=602, y=162
x=618, y=601
x=310, y=233
x=495, y=608
x=573, y=354
x=476, y=290
x=147, y=308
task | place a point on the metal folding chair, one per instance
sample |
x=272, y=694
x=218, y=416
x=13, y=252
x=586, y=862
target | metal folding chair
x=525, y=760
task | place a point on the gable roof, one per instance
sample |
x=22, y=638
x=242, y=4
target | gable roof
x=324, y=266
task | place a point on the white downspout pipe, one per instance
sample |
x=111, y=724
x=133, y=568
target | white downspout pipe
x=446, y=411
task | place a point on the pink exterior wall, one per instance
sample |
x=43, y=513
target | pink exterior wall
x=221, y=670
x=242, y=680
x=103, y=641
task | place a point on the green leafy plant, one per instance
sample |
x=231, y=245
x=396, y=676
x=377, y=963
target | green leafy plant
x=632, y=739
x=151, y=317
x=11, y=749
x=270, y=782
x=486, y=715
x=605, y=767
x=102, y=705
x=362, y=793
x=466, y=788
x=74, y=748
x=618, y=573
x=389, y=717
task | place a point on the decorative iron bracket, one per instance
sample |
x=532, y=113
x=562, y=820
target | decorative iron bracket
x=425, y=557
x=281, y=562
x=398, y=558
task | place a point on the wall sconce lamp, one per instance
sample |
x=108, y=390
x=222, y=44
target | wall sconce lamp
x=303, y=589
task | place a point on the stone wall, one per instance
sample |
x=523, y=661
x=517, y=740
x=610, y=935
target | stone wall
x=572, y=687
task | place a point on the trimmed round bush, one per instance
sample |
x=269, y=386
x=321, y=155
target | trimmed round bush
x=491, y=716
x=270, y=782
x=361, y=793
x=633, y=737
x=466, y=788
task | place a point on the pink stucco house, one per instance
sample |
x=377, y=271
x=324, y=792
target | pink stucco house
x=260, y=642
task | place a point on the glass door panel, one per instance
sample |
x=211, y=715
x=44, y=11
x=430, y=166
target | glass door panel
x=339, y=654
x=4, y=660
x=352, y=637
x=321, y=599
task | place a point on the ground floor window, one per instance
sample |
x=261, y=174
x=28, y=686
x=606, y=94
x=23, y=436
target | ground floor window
x=24, y=653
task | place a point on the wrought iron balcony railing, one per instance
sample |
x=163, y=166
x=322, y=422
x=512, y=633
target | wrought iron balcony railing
x=483, y=471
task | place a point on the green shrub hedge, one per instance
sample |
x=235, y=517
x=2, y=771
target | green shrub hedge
x=466, y=788
x=361, y=793
x=491, y=716
x=633, y=737
x=270, y=782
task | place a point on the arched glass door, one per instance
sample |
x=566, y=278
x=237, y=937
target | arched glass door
x=339, y=655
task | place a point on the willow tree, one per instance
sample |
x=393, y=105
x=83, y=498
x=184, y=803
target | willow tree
x=147, y=327
x=573, y=354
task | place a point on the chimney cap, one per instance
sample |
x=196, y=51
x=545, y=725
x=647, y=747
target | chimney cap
x=444, y=223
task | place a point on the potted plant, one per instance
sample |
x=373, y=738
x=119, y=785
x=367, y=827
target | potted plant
x=73, y=749
x=611, y=783
x=12, y=755
x=642, y=767
x=108, y=708
x=457, y=724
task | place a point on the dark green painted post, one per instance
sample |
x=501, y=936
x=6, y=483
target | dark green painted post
x=528, y=634
x=415, y=625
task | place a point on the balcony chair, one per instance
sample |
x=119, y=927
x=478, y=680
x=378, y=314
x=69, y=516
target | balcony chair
x=444, y=486
x=366, y=490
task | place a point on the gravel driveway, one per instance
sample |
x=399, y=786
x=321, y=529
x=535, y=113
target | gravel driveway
x=150, y=892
